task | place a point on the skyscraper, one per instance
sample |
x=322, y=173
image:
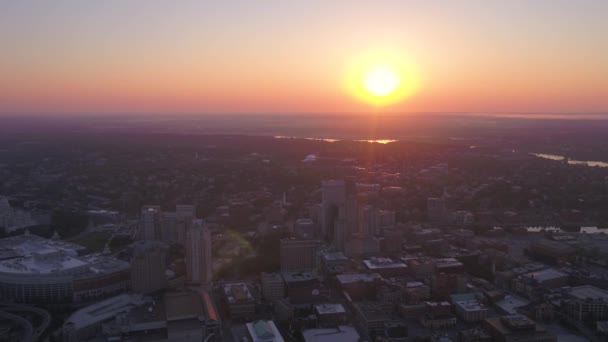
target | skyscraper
x=340, y=210
x=333, y=197
x=198, y=253
x=150, y=223
x=148, y=266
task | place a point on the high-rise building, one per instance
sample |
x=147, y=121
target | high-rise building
x=333, y=197
x=150, y=223
x=148, y=266
x=198, y=253
x=299, y=255
x=339, y=201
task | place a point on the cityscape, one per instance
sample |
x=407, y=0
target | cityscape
x=315, y=171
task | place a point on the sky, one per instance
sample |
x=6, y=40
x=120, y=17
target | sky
x=265, y=56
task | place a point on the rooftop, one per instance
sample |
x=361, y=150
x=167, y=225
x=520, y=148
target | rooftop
x=447, y=262
x=470, y=305
x=324, y=309
x=105, y=310
x=339, y=334
x=334, y=256
x=380, y=263
x=354, y=278
x=238, y=293
x=31, y=254
x=588, y=292
x=291, y=277
x=264, y=331
x=545, y=275
x=183, y=305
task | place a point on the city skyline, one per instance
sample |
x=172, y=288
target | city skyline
x=277, y=57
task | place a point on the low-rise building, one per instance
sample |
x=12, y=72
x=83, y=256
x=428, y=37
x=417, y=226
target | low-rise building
x=330, y=314
x=239, y=300
x=386, y=267
x=586, y=303
x=471, y=310
x=516, y=328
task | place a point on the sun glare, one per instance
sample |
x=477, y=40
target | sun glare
x=381, y=79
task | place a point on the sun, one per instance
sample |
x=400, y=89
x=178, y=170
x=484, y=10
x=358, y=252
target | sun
x=381, y=81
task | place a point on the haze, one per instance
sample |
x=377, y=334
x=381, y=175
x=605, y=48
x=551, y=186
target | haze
x=284, y=57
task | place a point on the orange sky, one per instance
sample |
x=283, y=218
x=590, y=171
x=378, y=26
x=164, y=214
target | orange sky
x=270, y=56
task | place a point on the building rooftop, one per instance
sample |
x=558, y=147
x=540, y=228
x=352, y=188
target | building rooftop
x=105, y=310
x=545, y=275
x=447, y=262
x=588, y=292
x=237, y=293
x=324, y=309
x=372, y=311
x=510, y=304
x=27, y=244
x=334, y=256
x=339, y=334
x=183, y=305
x=355, y=278
x=264, y=331
x=31, y=254
x=292, y=277
x=470, y=305
x=381, y=263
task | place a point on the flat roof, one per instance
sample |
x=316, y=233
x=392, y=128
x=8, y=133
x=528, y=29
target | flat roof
x=298, y=276
x=447, y=262
x=510, y=304
x=341, y=333
x=323, y=309
x=334, y=256
x=545, y=275
x=358, y=277
x=470, y=305
x=183, y=305
x=105, y=310
x=264, y=331
x=372, y=311
x=383, y=263
x=588, y=292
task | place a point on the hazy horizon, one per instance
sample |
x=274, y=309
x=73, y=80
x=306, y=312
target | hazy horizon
x=273, y=56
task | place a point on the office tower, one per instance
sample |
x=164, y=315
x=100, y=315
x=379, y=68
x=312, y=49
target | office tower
x=333, y=197
x=150, y=223
x=148, y=266
x=351, y=207
x=299, y=255
x=339, y=200
x=198, y=253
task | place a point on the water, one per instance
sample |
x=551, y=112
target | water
x=571, y=161
x=379, y=141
